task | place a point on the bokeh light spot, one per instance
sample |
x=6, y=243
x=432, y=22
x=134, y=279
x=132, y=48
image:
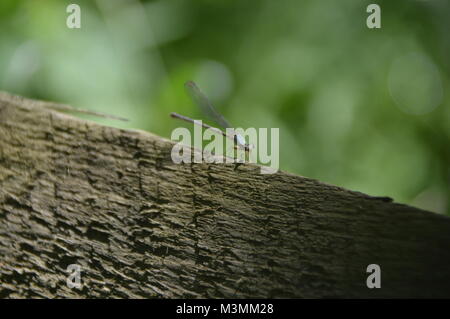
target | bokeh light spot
x=215, y=80
x=415, y=84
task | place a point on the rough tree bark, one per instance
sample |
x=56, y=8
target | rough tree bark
x=112, y=201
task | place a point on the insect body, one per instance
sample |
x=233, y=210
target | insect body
x=205, y=105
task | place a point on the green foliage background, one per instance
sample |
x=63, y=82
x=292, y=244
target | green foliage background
x=366, y=109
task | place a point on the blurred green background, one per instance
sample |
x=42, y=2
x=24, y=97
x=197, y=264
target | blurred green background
x=366, y=109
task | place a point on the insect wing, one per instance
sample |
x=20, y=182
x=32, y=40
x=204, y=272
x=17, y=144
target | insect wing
x=204, y=104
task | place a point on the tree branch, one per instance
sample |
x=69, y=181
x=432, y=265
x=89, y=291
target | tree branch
x=112, y=201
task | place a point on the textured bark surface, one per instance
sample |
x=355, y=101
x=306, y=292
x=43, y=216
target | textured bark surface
x=112, y=201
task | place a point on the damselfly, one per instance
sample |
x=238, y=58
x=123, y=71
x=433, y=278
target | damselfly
x=207, y=108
